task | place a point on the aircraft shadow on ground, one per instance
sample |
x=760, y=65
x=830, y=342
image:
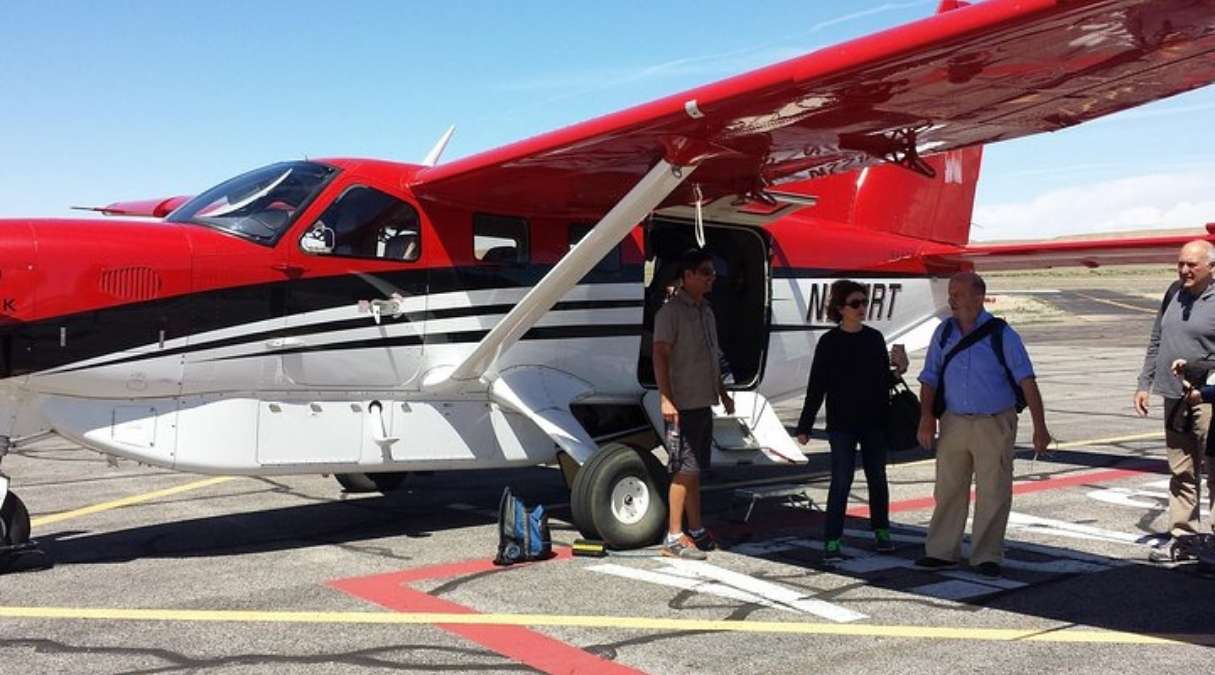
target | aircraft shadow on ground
x=422, y=507
x=1050, y=582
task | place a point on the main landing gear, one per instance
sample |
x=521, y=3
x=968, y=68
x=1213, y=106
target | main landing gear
x=620, y=497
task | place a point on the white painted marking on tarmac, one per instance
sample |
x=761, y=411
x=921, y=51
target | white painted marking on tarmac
x=954, y=589
x=966, y=575
x=795, y=598
x=702, y=577
x=684, y=583
x=1062, y=528
x=1127, y=497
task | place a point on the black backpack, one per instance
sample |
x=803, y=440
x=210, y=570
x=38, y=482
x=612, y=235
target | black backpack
x=995, y=328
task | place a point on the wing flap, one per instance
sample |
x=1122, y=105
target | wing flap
x=988, y=72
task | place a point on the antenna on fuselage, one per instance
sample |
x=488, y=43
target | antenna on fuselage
x=432, y=157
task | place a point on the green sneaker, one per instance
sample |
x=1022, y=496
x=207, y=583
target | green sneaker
x=882, y=541
x=832, y=551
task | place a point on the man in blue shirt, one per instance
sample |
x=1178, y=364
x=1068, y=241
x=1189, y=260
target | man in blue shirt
x=978, y=428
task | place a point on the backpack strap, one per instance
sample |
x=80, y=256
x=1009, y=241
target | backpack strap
x=938, y=404
x=1171, y=293
x=997, y=344
x=945, y=333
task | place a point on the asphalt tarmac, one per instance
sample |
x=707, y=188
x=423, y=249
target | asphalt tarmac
x=162, y=572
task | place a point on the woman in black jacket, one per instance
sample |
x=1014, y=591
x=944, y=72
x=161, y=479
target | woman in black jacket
x=851, y=369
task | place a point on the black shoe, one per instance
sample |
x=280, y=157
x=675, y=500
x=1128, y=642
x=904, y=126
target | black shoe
x=705, y=541
x=989, y=569
x=930, y=563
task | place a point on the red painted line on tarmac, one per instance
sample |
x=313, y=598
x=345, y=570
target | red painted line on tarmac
x=1029, y=486
x=539, y=651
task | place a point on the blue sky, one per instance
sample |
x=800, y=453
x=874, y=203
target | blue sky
x=104, y=101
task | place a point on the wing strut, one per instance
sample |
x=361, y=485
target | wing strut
x=647, y=194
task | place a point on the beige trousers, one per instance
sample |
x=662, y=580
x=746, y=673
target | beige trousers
x=978, y=447
x=1186, y=457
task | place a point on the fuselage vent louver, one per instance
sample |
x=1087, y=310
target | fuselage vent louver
x=131, y=283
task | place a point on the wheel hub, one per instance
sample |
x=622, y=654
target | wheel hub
x=630, y=500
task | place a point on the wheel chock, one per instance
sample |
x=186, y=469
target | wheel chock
x=588, y=548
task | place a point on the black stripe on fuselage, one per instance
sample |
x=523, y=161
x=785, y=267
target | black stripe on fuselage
x=71, y=338
x=362, y=322
x=455, y=337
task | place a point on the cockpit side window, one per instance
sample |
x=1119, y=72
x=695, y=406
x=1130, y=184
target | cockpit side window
x=259, y=205
x=366, y=223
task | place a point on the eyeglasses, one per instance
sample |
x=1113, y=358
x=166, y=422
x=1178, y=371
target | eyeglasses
x=706, y=271
x=858, y=303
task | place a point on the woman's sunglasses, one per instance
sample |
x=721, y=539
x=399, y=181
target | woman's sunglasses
x=858, y=303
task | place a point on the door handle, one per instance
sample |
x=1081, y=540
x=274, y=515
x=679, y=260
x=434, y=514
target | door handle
x=284, y=343
x=289, y=270
x=378, y=308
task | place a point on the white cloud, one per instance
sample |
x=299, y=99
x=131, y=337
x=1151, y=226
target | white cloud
x=1165, y=200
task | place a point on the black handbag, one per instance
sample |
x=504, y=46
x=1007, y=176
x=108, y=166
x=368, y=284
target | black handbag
x=904, y=418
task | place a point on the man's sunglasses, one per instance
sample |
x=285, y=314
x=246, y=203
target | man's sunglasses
x=857, y=304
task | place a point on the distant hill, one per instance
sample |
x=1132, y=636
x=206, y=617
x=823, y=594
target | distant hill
x=1117, y=234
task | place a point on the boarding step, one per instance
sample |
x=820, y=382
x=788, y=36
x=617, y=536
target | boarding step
x=791, y=495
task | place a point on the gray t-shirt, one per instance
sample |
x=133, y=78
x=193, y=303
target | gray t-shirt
x=691, y=330
x=1186, y=330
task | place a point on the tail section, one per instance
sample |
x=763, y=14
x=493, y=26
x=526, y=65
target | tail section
x=888, y=198
x=893, y=199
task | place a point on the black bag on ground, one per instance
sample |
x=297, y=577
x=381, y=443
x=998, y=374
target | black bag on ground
x=522, y=536
x=904, y=416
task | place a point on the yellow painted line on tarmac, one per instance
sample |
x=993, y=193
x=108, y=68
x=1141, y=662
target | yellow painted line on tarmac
x=1062, y=634
x=127, y=501
x=1115, y=303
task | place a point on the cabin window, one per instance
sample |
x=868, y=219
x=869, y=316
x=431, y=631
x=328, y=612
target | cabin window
x=610, y=261
x=366, y=223
x=500, y=239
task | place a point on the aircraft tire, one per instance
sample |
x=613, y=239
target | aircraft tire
x=620, y=497
x=371, y=482
x=14, y=521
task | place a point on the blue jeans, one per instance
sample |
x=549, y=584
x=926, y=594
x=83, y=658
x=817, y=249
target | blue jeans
x=843, y=465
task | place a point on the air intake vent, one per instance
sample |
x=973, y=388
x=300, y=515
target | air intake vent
x=131, y=283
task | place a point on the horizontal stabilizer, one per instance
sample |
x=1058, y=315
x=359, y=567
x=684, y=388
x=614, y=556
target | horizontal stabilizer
x=144, y=208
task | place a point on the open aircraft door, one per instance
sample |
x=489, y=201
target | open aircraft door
x=754, y=434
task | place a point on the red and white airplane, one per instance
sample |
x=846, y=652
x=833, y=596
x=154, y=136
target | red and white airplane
x=369, y=318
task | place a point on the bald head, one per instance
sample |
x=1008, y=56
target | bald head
x=1194, y=265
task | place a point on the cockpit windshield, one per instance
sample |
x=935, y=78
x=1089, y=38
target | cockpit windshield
x=259, y=205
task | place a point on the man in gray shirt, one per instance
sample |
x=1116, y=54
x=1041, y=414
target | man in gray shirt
x=1185, y=329
x=686, y=358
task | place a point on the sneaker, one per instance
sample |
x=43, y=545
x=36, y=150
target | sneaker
x=704, y=541
x=882, y=541
x=988, y=569
x=832, y=551
x=930, y=563
x=1176, y=549
x=682, y=548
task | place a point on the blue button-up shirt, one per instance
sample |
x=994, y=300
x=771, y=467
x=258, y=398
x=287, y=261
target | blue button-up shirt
x=975, y=383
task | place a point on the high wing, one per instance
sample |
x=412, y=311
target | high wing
x=1086, y=252
x=143, y=208
x=978, y=74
